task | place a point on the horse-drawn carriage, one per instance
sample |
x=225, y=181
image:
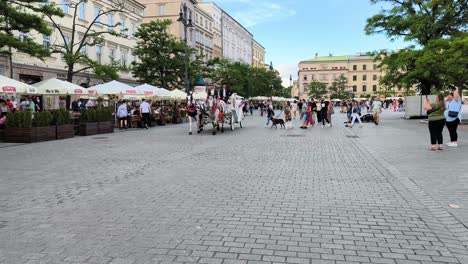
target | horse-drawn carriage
x=216, y=112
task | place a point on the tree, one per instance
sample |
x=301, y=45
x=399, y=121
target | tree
x=162, y=56
x=317, y=89
x=75, y=42
x=421, y=22
x=338, y=88
x=24, y=16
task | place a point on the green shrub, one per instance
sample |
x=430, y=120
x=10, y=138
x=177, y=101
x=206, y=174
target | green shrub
x=104, y=115
x=60, y=117
x=84, y=116
x=42, y=119
x=91, y=115
x=19, y=119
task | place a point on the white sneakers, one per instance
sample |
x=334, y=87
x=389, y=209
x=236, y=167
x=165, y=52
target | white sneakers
x=452, y=144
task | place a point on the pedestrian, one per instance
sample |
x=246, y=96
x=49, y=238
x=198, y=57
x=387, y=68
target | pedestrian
x=349, y=111
x=31, y=106
x=145, y=110
x=356, y=115
x=323, y=112
x=89, y=104
x=287, y=114
x=453, y=116
x=270, y=112
x=299, y=108
x=261, y=105
x=318, y=109
x=330, y=112
x=122, y=114
x=4, y=108
x=251, y=107
x=15, y=104
x=10, y=105
x=310, y=113
x=377, y=109
x=306, y=113
x=294, y=109
x=435, y=112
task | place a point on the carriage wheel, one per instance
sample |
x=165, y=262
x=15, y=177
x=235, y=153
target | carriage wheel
x=231, y=122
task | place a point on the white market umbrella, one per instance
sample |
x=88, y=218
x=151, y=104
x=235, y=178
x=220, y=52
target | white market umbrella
x=8, y=85
x=113, y=87
x=178, y=94
x=147, y=89
x=56, y=86
x=200, y=95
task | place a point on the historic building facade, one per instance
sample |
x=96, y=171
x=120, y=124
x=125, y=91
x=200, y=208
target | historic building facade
x=203, y=34
x=170, y=9
x=258, y=54
x=216, y=14
x=237, y=40
x=361, y=71
x=114, y=48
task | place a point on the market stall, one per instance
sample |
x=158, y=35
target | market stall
x=58, y=94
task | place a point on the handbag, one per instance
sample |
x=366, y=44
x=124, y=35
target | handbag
x=453, y=113
x=332, y=111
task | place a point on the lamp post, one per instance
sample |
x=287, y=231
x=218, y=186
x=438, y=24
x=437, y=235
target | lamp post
x=186, y=20
x=271, y=84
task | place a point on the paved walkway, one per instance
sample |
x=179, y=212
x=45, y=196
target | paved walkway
x=255, y=195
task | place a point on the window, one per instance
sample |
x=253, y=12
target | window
x=124, y=58
x=354, y=88
x=97, y=12
x=374, y=67
x=23, y=37
x=354, y=67
x=364, y=67
x=133, y=30
x=374, y=88
x=67, y=42
x=84, y=50
x=161, y=9
x=364, y=77
x=99, y=54
x=323, y=77
x=82, y=11
x=364, y=88
x=122, y=26
x=374, y=77
x=46, y=42
x=305, y=77
x=65, y=6
x=334, y=76
x=110, y=20
x=354, y=77
x=112, y=56
x=313, y=77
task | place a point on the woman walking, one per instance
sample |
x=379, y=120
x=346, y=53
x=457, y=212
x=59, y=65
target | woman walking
x=435, y=112
x=307, y=112
x=453, y=116
x=330, y=112
x=287, y=114
x=122, y=114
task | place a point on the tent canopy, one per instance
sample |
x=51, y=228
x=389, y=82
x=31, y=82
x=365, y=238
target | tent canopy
x=8, y=85
x=113, y=87
x=56, y=86
x=178, y=94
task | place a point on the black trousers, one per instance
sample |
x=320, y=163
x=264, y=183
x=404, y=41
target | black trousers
x=319, y=116
x=146, y=119
x=435, y=130
x=324, y=117
x=452, y=128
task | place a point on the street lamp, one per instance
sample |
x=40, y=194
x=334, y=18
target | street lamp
x=271, y=84
x=186, y=20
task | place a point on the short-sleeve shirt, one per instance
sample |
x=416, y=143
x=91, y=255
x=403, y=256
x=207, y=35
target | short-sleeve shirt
x=436, y=113
x=455, y=106
x=377, y=106
x=145, y=108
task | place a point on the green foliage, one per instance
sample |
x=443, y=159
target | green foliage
x=103, y=115
x=106, y=73
x=317, y=89
x=338, y=88
x=60, y=117
x=42, y=119
x=88, y=116
x=24, y=16
x=161, y=55
x=20, y=119
x=439, y=28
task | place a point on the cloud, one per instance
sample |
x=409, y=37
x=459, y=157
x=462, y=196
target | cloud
x=259, y=11
x=286, y=71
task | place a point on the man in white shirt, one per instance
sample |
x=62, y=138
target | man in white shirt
x=89, y=104
x=145, y=110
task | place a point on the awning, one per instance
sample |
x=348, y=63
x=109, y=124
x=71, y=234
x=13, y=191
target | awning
x=56, y=86
x=8, y=85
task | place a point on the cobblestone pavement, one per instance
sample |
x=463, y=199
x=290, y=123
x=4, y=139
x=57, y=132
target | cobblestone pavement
x=254, y=195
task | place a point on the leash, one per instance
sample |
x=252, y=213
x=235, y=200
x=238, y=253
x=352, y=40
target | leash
x=279, y=114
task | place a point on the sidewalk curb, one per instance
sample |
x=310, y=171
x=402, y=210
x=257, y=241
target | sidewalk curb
x=423, y=204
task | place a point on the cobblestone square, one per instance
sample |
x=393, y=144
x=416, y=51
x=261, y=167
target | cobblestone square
x=253, y=195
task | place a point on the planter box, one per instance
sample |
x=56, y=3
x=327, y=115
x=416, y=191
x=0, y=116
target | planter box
x=29, y=134
x=65, y=131
x=105, y=127
x=88, y=129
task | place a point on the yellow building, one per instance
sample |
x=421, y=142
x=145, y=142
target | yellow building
x=170, y=9
x=360, y=70
x=203, y=34
x=114, y=48
x=258, y=55
x=216, y=28
x=295, y=89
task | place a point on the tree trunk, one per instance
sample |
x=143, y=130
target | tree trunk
x=70, y=73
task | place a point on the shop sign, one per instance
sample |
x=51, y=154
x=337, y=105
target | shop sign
x=9, y=89
x=148, y=92
x=78, y=91
x=52, y=91
x=61, y=75
x=130, y=91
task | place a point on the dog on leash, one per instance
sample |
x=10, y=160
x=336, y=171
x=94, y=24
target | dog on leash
x=277, y=121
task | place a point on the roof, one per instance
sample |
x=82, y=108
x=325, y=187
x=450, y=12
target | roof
x=339, y=58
